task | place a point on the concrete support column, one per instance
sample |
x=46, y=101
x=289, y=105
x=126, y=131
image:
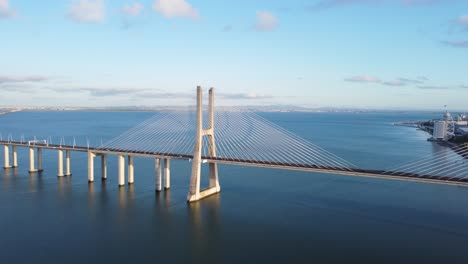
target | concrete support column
x=213, y=167
x=167, y=174
x=6, y=150
x=68, y=163
x=158, y=175
x=39, y=160
x=121, y=162
x=104, y=167
x=194, y=191
x=31, y=160
x=15, y=157
x=91, y=166
x=213, y=173
x=60, y=163
x=130, y=170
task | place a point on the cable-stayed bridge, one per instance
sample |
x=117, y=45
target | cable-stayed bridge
x=234, y=138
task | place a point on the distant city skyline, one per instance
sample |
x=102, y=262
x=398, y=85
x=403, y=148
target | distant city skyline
x=377, y=54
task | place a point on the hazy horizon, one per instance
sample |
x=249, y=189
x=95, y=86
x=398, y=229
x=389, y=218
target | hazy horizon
x=260, y=108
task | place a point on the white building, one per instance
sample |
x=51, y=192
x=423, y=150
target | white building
x=440, y=130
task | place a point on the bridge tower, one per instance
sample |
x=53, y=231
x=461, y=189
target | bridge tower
x=194, y=193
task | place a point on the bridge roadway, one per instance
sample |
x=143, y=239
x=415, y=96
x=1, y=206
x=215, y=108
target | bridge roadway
x=392, y=175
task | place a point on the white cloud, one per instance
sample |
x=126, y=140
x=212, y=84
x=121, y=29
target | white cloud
x=417, y=80
x=5, y=9
x=364, y=79
x=242, y=96
x=89, y=11
x=323, y=4
x=266, y=21
x=175, y=8
x=419, y=2
x=456, y=43
x=21, y=79
x=394, y=83
x=133, y=9
x=463, y=21
x=431, y=87
x=227, y=28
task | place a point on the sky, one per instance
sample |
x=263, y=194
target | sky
x=380, y=54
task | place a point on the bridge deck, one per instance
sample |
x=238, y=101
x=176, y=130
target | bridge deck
x=395, y=175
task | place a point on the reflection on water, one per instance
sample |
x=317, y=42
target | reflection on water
x=93, y=209
x=104, y=194
x=91, y=193
x=122, y=198
x=163, y=199
x=436, y=148
x=167, y=198
x=131, y=195
x=35, y=181
x=7, y=178
x=64, y=187
x=205, y=229
x=11, y=172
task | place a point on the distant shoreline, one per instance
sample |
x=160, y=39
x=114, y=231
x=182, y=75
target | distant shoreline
x=7, y=110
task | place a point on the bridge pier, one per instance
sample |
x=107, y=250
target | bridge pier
x=15, y=157
x=158, y=175
x=91, y=157
x=130, y=170
x=31, y=161
x=39, y=160
x=104, y=167
x=6, y=151
x=67, y=163
x=121, y=170
x=167, y=174
x=60, y=163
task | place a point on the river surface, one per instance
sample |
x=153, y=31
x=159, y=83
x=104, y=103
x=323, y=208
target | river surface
x=260, y=216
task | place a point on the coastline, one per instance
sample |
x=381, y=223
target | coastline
x=263, y=109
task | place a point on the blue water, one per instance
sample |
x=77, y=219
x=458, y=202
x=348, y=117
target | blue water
x=261, y=215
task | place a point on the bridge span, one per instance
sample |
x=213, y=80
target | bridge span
x=358, y=172
x=278, y=150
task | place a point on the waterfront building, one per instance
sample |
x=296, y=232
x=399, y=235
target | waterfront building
x=440, y=130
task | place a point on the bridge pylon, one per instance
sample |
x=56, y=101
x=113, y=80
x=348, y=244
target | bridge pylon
x=195, y=193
